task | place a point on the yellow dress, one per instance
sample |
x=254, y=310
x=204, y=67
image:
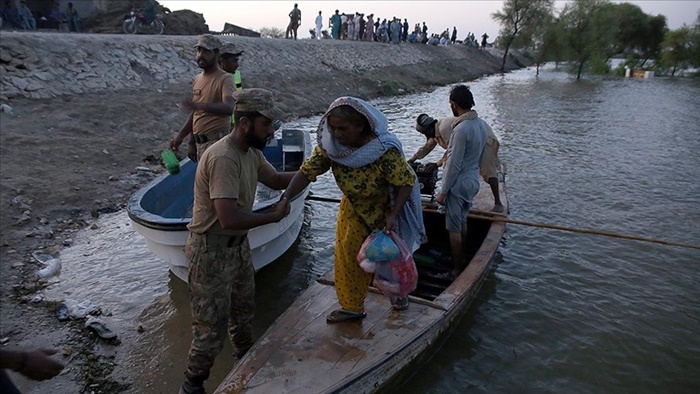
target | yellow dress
x=363, y=209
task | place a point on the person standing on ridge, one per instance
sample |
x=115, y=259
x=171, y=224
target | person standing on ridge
x=336, y=23
x=319, y=25
x=405, y=30
x=294, y=22
x=212, y=101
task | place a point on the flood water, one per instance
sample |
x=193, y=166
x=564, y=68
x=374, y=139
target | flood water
x=562, y=312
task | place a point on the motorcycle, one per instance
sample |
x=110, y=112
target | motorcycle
x=135, y=23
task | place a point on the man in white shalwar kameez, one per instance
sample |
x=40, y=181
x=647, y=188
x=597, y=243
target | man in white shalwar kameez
x=319, y=25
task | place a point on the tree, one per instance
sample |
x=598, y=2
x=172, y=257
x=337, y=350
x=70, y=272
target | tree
x=631, y=23
x=653, y=38
x=695, y=49
x=546, y=43
x=520, y=16
x=589, y=31
x=271, y=32
x=677, y=49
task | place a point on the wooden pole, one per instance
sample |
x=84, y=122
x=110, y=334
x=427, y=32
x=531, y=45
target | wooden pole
x=499, y=217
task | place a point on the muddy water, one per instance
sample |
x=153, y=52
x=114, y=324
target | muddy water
x=562, y=312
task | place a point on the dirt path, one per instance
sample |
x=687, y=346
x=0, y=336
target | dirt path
x=63, y=162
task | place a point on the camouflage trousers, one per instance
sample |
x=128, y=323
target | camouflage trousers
x=222, y=297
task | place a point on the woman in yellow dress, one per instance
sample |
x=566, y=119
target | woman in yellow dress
x=380, y=192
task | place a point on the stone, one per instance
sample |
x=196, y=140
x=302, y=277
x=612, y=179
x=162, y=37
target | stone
x=19, y=83
x=43, y=75
x=23, y=219
x=5, y=56
x=34, y=86
x=6, y=108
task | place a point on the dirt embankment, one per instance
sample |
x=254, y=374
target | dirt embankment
x=90, y=114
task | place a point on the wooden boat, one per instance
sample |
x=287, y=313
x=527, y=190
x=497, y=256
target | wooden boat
x=162, y=209
x=301, y=353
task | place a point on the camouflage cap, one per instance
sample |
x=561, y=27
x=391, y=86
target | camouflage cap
x=208, y=42
x=229, y=48
x=257, y=100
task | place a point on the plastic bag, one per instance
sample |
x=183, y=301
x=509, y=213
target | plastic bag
x=53, y=267
x=398, y=277
x=376, y=248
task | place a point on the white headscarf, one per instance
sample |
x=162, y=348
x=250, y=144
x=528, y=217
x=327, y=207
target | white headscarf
x=409, y=224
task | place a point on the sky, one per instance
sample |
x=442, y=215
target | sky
x=467, y=16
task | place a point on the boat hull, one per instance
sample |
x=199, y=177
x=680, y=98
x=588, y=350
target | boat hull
x=161, y=210
x=267, y=243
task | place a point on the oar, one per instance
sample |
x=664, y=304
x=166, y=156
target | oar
x=499, y=217
x=491, y=216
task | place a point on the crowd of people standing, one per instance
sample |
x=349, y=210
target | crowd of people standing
x=367, y=27
x=19, y=16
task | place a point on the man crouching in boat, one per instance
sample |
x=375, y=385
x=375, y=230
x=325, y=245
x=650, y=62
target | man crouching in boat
x=380, y=191
x=221, y=279
x=438, y=132
x=460, y=181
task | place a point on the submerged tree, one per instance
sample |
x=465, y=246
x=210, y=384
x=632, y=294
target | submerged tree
x=546, y=42
x=677, y=49
x=695, y=49
x=519, y=17
x=589, y=28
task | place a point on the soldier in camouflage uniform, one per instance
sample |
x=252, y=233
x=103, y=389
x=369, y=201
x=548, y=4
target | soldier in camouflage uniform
x=221, y=275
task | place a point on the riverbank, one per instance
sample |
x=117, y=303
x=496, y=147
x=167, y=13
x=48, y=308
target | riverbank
x=90, y=115
x=306, y=75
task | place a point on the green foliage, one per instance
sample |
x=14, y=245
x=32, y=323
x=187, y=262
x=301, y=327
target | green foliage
x=677, y=50
x=588, y=33
x=695, y=44
x=599, y=66
x=588, y=28
x=519, y=20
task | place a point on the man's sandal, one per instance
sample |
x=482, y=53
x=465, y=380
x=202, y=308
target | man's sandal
x=341, y=315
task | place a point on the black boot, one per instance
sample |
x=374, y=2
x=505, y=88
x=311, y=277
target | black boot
x=193, y=384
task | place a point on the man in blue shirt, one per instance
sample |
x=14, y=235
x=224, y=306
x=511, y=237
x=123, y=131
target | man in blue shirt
x=460, y=181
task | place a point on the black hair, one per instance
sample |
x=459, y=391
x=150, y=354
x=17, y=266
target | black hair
x=462, y=96
x=252, y=115
x=352, y=115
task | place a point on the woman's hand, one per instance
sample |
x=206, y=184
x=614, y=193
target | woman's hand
x=390, y=223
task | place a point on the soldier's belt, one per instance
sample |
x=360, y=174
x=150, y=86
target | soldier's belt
x=209, y=137
x=222, y=240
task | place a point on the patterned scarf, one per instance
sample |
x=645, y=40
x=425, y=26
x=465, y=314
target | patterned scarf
x=409, y=224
